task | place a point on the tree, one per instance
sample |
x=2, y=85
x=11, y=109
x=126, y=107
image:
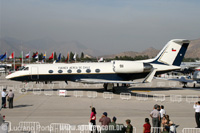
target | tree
x=40, y=56
x=82, y=55
x=55, y=56
x=63, y=58
x=77, y=57
x=71, y=56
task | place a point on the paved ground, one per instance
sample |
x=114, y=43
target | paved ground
x=36, y=105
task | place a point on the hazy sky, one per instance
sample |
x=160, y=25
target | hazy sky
x=111, y=26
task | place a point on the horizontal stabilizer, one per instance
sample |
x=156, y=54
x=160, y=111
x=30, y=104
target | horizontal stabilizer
x=182, y=79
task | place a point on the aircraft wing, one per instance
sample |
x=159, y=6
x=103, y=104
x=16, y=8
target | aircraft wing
x=99, y=81
x=147, y=79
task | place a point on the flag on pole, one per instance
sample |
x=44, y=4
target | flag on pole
x=59, y=58
x=67, y=59
x=11, y=56
x=27, y=55
x=2, y=57
x=44, y=56
x=21, y=56
x=101, y=59
x=74, y=57
x=52, y=56
x=35, y=56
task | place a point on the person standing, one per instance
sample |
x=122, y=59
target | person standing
x=3, y=95
x=93, y=118
x=104, y=119
x=197, y=113
x=113, y=124
x=147, y=126
x=129, y=128
x=158, y=108
x=162, y=111
x=10, y=99
x=155, y=115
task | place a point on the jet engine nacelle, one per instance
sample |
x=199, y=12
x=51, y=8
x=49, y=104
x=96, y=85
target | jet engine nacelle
x=131, y=67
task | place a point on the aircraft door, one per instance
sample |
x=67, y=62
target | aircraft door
x=34, y=73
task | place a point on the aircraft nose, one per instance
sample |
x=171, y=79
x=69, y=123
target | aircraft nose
x=9, y=76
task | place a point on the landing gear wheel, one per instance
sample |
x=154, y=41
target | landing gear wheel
x=105, y=86
x=23, y=90
x=194, y=85
x=113, y=90
x=184, y=85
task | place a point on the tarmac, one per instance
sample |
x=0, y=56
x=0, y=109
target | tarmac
x=42, y=105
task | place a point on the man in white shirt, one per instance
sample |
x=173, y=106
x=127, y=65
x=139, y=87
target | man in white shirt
x=162, y=111
x=155, y=115
x=3, y=95
x=197, y=113
x=10, y=99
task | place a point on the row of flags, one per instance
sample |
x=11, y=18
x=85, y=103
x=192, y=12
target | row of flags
x=36, y=56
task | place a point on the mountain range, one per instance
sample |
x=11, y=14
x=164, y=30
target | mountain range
x=43, y=45
x=49, y=45
x=193, y=51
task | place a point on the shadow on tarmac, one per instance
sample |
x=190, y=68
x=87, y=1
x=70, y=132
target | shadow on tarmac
x=22, y=106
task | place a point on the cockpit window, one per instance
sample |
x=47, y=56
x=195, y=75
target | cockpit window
x=26, y=69
x=21, y=68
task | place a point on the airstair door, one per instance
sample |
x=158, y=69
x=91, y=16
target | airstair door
x=34, y=73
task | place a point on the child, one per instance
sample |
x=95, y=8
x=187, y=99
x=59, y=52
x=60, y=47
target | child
x=147, y=126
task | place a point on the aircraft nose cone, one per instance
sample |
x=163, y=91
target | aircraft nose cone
x=9, y=77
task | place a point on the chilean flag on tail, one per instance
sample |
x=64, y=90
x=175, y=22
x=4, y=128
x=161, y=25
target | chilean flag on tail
x=173, y=50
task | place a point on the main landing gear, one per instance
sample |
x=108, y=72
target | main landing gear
x=109, y=86
x=194, y=85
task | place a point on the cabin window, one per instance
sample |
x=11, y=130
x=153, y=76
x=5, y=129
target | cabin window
x=97, y=70
x=50, y=71
x=69, y=71
x=79, y=71
x=60, y=71
x=121, y=65
x=88, y=70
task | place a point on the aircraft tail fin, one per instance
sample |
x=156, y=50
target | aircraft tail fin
x=173, y=52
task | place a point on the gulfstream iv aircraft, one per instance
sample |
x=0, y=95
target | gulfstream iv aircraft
x=107, y=73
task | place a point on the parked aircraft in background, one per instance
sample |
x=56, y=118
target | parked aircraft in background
x=189, y=67
x=3, y=67
x=107, y=73
x=195, y=79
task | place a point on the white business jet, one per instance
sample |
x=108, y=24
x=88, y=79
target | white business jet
x=107, y=73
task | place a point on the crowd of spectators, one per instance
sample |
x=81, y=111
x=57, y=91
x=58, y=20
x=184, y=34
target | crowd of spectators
x=161, y=122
